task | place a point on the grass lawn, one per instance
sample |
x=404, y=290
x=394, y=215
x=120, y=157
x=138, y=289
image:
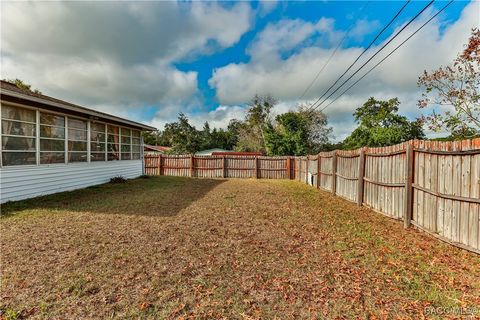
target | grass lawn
x=169, y=247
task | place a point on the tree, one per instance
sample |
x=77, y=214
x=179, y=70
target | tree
x=22, y=85
x=182, y=136
x=206, y=137
x=380, y=125
x=153, y=138
x=289, y=136
x=251, y=132
x=298, y=133
x=318, y=131
x=457, y=89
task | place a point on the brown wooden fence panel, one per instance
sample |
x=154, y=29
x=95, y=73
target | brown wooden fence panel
x=176, y=166
x=240, y=167
x=273, y=167
x=208, y=167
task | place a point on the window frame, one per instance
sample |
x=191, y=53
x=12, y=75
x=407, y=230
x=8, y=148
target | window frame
x=105, y=141
x=122, y=144
x=39, y=137
x=87, y=137
x=37, y=133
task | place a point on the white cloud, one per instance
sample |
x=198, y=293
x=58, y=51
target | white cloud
x=266, y=6
x=287, y=78
x=362, y=28
x=217, y=118
x=102, y=54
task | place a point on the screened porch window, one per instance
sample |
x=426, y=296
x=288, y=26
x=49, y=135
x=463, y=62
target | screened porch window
x=52, y=138
x=77, y=140
x=136, y=145
x=113, y=143
x=41, y=137
x=97, y=142
x=126, y=144
x=18, y=136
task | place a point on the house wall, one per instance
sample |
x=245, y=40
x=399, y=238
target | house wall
x=22, y=182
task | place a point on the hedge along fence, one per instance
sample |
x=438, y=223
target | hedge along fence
x=220, y=166
x=432, y=185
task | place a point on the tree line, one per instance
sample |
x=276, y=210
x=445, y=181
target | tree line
x=291, y=133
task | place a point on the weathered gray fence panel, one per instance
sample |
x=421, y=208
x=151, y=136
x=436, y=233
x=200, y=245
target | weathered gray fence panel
x=347, y=175
x=447, y=190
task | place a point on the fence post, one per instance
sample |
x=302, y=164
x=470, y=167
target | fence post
x=361, y=175
x=307, y=168
x=319, y=168
x=293, y=161
x=224, y=166
x=191, y=165
x=256, y=167
x=159, y=164
x=299, y=169
x=407, y=215
x=334, y=172
x=288, y=164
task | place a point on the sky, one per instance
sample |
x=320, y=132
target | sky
x=149, y=61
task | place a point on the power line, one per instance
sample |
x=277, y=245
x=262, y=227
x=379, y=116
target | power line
x=333, y=53
x=378, y=51
x=365, y=50
x=376, y=65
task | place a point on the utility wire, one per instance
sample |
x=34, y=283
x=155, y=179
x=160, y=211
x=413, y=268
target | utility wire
x=401, y=44
x=333, y=53
x=378, y=51
x=361, y=54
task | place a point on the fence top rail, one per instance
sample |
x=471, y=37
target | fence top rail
x=446, y=152
x=174, y=156
x=341, y=155
x=385, y=154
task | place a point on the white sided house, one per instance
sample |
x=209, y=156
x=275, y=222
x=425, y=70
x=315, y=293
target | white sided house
x=49, y=145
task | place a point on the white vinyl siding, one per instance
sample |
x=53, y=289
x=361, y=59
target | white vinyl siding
x=22, y=182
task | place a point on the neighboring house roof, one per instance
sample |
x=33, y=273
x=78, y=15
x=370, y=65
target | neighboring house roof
x=157, y=148
x=235, y=153
x=10, y=92
x=209, y=151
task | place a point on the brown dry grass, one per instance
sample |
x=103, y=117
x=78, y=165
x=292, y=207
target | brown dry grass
x=173, y=247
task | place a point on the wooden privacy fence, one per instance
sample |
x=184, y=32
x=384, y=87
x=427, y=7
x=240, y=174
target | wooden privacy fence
x=220, y=166
x=432, y=185
x=435, y=186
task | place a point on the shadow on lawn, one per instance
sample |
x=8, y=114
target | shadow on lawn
x=152, y=196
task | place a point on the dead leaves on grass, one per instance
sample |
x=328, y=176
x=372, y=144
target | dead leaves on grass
x=246, y=249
